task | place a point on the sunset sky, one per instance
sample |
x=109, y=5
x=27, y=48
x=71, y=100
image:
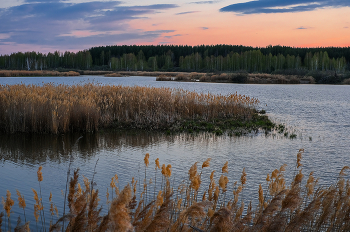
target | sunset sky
x=73, y=25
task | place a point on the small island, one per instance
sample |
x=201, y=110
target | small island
x=59, y=109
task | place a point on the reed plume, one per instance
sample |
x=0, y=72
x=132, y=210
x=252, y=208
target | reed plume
x=8, y=203
x=221, y=220
x=146, y=159
x=22, y=203
x=119, y=215
x=161, y=219
x=225, y=168
x=206, y=163
x=38, y=207
x=40, y=174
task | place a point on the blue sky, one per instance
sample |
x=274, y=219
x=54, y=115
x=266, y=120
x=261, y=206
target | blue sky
x=49, y=25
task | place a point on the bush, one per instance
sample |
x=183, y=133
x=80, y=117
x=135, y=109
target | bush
x=297, y=72
x=239, y=77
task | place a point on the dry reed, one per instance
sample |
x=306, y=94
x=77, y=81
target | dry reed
x=19, y=73
x=346, y=82
x=62, y=108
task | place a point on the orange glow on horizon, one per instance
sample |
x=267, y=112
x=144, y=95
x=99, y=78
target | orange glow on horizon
x=304, y=29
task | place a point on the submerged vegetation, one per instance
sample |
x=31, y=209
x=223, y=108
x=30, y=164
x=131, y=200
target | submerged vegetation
x=61, y=108
x=159, y=205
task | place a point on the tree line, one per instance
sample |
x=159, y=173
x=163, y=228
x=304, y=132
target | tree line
x=186, y=58
x=38, y=61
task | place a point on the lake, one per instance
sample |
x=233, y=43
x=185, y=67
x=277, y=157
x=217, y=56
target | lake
x=318, y=114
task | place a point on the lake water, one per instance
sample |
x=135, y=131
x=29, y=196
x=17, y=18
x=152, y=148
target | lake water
x=318, y=114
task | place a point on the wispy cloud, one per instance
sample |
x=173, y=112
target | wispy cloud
x=279, y=6
x=65, y=24
x=187, y=12
x=302, y=28
x=204, y=2
x=204, y=28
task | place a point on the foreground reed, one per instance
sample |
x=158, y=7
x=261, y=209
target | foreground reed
x=301, y=206
x=61, y=108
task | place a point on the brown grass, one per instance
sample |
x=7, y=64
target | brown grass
x=62, y=108
x=19, y=73
x=251, y=78
x=289, y=209
x=163, y=78
x=272, y=79
x=113, y=75
x=98, y=73
x=346, y=81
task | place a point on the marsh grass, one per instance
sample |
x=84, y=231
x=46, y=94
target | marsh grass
x=61, y=108
x=22, y=73
x=346, y=82
x=296, y=207
x=242, y=77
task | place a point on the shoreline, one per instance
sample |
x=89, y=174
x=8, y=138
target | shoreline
x=236, y=77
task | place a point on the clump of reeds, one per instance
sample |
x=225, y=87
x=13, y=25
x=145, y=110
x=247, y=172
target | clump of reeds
x=163, y=78
x=90, y=72
x=300, y=206
x=263, y=78
x=113, y=75
x=182, y=77
x=61, y=108
x=346, y=82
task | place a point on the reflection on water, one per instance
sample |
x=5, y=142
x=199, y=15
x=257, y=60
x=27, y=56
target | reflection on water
x=320, y=115
x=35, y=148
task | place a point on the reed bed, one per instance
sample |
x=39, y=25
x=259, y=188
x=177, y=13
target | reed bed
x=90, y=72
x=260, y=78
x=22, y=73
x=242, y=77
x=61, y=108
x=152, y=74
x=113, y=75
x=302, y=205
x=346, y=82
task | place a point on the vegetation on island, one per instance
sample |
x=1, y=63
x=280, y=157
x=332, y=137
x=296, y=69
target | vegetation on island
x=50, y=108
x=201, y=202
x=325, y=65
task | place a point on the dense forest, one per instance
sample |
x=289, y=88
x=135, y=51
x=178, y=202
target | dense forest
x=221, y=58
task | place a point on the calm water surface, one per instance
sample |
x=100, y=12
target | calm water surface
x=318, y=114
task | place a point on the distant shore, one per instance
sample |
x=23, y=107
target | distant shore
x=236, y=77
x=44, y=73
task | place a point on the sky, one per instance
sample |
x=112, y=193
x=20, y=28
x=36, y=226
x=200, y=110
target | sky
x=74, y=25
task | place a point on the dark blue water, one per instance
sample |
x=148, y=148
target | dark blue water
x=318, y=114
